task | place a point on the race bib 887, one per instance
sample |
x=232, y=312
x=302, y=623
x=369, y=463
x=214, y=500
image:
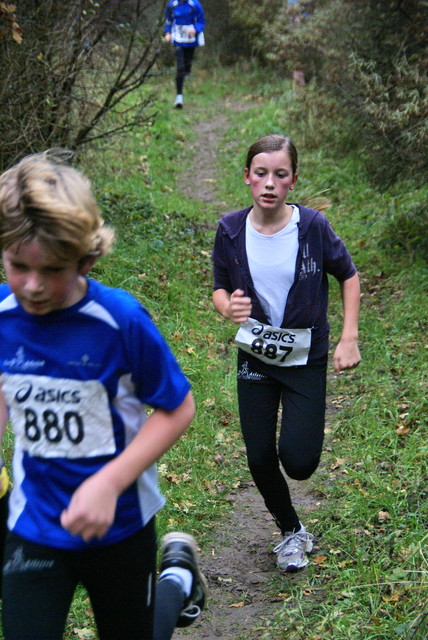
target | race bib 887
x=59, y=417
x=274, y=345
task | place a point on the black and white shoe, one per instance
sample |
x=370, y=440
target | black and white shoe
x=179, y=550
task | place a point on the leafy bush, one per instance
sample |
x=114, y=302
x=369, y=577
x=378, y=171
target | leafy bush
x=68, y=69
x=405, y=226
x=369, y=56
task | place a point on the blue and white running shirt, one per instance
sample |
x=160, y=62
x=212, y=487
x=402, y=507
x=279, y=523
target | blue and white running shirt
x=76, y=381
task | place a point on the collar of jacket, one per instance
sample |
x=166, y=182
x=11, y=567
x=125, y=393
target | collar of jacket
x=233, y=223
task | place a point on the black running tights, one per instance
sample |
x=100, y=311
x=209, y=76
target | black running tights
x=39, y=583
x=301, y=393
x=184, y=57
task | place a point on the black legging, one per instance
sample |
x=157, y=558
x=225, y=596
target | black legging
x=39, y=584
x=169, y=600
x=302, y=393
x=169, y=603
x=184, y=57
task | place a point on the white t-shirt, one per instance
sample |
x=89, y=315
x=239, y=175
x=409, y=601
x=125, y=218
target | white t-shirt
x=272, y=262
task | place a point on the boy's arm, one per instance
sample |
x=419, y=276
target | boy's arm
x=347, y=354
x=92, y=508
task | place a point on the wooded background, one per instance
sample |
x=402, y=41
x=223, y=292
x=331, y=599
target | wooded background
x=72, y=71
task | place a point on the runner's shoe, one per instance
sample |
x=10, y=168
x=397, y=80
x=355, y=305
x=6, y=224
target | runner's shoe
x=179, y=550
x=178, y=104
x=291, y=551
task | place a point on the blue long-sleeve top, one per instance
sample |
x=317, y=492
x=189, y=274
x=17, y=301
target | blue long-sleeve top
x=179, y=16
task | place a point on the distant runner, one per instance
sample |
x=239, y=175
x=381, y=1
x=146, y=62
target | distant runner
x=184, y=27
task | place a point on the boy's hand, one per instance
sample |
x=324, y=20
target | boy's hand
x=91, y=510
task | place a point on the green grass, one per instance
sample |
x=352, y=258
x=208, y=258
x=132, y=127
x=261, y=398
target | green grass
x=369, y=577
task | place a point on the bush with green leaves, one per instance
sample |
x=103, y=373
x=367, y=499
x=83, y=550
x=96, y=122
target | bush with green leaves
x=68, y=69
x=369, y=56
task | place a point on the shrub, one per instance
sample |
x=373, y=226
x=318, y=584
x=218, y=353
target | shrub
x=68, y=69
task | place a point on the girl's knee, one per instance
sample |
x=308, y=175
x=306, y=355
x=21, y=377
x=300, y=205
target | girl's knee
x=259, y=464
x=300, y=470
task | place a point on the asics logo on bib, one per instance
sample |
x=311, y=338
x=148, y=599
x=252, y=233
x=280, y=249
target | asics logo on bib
x=274, y=345
x=68, y=396
x=279, y=336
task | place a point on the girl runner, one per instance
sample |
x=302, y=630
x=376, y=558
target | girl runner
x=271, y=262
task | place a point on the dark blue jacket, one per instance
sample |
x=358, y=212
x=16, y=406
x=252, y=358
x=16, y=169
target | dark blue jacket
x=320, y=252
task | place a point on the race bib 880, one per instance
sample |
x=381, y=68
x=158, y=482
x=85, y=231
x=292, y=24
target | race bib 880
x=274, y=345
x=59, y=417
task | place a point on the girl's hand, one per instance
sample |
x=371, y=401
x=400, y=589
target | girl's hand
x=167, y=37
x=91, y=510
x=347, y=355
x=239, y=307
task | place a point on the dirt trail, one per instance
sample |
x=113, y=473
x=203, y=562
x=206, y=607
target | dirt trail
x=240, y=564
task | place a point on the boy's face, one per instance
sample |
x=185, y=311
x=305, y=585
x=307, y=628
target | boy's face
x=41, y=281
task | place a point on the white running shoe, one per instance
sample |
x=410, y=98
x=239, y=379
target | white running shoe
x=178, y=104
x=291, y=551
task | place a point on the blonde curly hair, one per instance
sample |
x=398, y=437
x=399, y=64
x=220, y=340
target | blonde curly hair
x=46, y=199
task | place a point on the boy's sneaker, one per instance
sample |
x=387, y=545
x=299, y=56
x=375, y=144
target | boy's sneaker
x=179, y=550
x=178, y=104
x=291, y=551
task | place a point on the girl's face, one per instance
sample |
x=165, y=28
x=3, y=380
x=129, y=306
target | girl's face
x=270, y=177
x=40, y=281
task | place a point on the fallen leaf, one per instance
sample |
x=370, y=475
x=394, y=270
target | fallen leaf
x=319, y=559
x=343, y=564
x=174, y=478
x=402, y=430
x=395, y=597
x=238, y=604
x=17, y=33
x=84, y=633
x=383, y=516
x=338, y=463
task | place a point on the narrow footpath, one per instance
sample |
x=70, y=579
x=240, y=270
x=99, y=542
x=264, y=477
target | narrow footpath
x=240, y=564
